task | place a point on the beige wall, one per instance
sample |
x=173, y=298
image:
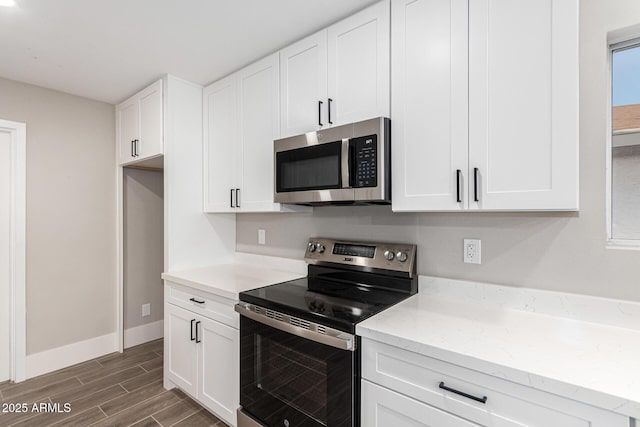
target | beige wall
x=557, y=251
x=70, y=213
x=143, y=245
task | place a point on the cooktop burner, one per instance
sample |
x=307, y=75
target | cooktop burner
x=347, y=283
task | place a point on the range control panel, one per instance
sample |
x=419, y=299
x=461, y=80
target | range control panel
x=386, y=256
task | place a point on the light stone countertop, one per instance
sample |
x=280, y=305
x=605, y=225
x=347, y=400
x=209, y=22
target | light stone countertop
x=245, y=272
x=545, y=340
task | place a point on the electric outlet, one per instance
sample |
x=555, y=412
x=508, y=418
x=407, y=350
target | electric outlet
x=146, y=310
x=472, y=251
x=262, y=236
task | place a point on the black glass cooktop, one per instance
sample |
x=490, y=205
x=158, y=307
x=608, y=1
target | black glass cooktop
x=332, y=298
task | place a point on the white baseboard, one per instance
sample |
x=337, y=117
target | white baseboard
x=68, y=355
x=142, y=334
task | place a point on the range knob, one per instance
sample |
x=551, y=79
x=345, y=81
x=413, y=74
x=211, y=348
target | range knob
x=312, y=247
x=401, y=256
x=388, y=255
x=320, y=248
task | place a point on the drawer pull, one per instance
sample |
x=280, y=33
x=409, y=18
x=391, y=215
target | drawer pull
x=196, y=301
x=482, y=399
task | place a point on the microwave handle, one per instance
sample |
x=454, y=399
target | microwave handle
x=346, y=164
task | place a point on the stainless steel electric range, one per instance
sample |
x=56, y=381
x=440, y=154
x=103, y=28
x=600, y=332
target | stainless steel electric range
x=299, y=355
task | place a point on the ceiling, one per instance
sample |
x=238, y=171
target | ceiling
x=109, y=49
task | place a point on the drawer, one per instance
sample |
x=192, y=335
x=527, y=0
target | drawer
x=208, y=305
x=507, y=404
x=382, y=407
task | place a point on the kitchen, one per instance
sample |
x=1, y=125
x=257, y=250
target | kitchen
x=560, y=251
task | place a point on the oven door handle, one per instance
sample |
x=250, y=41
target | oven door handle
x=331, y=337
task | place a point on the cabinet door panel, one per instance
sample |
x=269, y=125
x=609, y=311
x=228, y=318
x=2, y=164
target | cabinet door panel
x=303, y=68
x=259, y=126
x=358, y=65
x=150, y=104
x=430, y=121
x=523, y=103
x=181, y=362
x=220, y=109
x=382, y=407
x=219, y=361
x=127, y=116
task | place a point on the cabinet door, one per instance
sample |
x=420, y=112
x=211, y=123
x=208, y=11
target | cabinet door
x=303, y=68
x=259, y=126
x=523, y=104
x=219, y=369
x=429, y=102
x=382, y=407
x=181, y=361
x=151, y=131
x=127, y=116
x=358, y=66
x=220, y=115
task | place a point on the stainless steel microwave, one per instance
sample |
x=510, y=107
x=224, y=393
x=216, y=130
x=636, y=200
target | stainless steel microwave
x=348, y=164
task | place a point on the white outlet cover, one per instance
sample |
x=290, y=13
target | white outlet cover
x=262, y=236
x=146, y=310
x=472, y=251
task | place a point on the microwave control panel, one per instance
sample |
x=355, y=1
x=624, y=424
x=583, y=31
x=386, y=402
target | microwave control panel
x=365, y=155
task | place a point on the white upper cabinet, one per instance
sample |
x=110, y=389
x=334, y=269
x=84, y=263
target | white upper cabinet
x=485, y=105
x=127, y=124
x=259, y=126
x=430, y=121
x=221, y=145
x=150, y=105
x=139, y=124
x=523, y=103
x=358, y=66
x=303, y=68
x=241, y=120
x=338, y=75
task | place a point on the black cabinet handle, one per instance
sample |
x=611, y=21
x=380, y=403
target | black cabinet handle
x=231, y=200
x=132, y=152
x=475, y=185
x=192, y=337
x=237, y=197
x=329, y=110
x=458, y=182
x=198, y=340
x=320, y=113
x=196, y=301
x=482, y=399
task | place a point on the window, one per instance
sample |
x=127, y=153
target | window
x=625, y=143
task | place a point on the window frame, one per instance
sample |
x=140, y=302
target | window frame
x=623, y=42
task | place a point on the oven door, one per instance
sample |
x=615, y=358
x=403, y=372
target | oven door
x=289, y=380
x=313, y=173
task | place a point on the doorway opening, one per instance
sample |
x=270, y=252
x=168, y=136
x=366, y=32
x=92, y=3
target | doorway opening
x=142, y=253
x=12, y=251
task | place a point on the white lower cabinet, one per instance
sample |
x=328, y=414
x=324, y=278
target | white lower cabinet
x=382, y=407
x=182, y=358
x=202, y=356
x=403, y=388
x=218, y=368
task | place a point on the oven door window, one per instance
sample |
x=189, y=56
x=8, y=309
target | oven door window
x=317, y=167
x=287, y=378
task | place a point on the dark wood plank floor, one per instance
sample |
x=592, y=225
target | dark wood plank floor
x=114, y=390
